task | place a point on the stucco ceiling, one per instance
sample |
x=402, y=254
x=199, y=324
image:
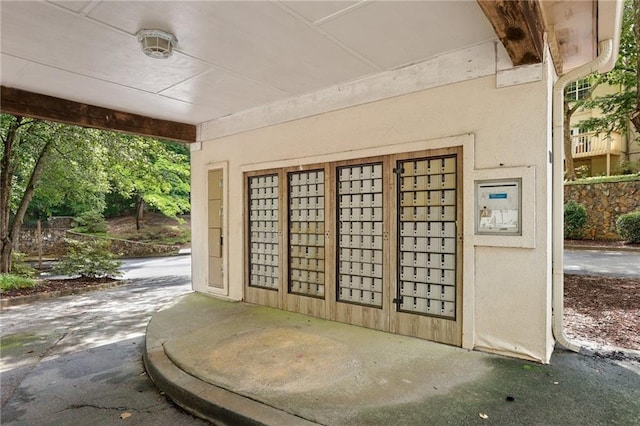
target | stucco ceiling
x=231, y=55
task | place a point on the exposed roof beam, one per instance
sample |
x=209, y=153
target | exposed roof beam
x=520, y=27
x=20, y=102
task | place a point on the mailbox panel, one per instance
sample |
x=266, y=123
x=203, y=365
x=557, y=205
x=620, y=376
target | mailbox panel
x=306, y=231
x=359, y=239
x=427, y=211
x=264, y=226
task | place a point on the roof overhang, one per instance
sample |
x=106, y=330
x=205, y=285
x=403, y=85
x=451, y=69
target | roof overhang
x=233, y=56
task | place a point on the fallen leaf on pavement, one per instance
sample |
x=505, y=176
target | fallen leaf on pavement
x=125, y=415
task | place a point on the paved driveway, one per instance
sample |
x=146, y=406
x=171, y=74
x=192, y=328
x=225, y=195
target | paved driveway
x=597, y=262
x=77, y=360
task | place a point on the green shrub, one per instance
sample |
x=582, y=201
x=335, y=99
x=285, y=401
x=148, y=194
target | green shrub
x=19, y=267
x=9, y=281
x=91, y=222
x=575, y=220
x=89, y=259
x=628, y=227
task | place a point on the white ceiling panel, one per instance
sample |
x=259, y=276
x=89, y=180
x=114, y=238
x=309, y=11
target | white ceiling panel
x=62, y=84
x=75, y=6
x=256, y=39
x=224, y=93
x=84, y=47
x=236, y=55
x=315, y=11
x=392, y=33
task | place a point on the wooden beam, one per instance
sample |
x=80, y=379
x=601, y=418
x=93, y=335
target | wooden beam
x=520, y=27
x=22, y=103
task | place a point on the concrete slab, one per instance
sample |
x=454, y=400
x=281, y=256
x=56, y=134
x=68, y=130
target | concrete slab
x=237, y=363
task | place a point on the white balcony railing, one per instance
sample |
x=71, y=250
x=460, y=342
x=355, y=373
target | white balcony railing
x=590, y=145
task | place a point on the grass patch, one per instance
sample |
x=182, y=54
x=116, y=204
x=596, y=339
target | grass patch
x=9, y=281
x=604, y=179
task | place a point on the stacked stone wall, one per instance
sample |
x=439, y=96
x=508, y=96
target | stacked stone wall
x=605, y=202
x=53, y=244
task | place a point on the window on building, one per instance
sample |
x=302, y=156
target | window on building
x=577, y=90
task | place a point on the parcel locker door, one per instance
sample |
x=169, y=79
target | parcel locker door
x=215, y=199
x=263, y=275
x=427, y=297
x=360, y=231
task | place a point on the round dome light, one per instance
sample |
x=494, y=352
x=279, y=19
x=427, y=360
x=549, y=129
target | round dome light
x=157, y=44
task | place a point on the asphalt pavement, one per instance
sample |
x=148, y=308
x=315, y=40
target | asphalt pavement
x=77, y=360
x=602, y=262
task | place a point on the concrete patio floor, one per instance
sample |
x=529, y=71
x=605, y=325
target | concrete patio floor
x=236, y=363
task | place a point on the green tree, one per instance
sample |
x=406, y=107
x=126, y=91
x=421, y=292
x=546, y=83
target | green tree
x=619, y=107
x=44, y=164
x=154, y=173
x=47, y=166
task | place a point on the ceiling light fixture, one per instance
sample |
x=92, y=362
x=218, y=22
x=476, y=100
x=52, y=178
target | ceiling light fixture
x=157, y=44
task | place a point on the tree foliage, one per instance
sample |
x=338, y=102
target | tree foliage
x=618, y=107
x=48, y=167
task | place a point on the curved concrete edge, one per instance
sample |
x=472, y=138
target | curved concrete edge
x=205, y=400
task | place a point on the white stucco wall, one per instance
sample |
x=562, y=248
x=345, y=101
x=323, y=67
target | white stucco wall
x=506, y=290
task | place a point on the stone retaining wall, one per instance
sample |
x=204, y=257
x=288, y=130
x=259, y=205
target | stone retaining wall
x=127, y=247
x=604, y=202
x=53, y=244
